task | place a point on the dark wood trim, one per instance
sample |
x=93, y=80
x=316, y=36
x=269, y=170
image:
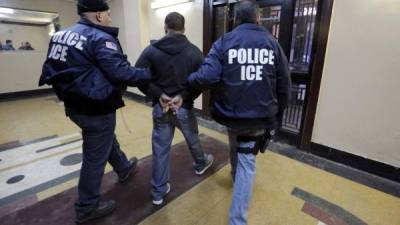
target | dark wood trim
x=207, y=26
x=207, y=43
x=11, y=96
x=368, y=165
x=287, y=137
x=299, y=77
x=318, y=58
x=286, y=27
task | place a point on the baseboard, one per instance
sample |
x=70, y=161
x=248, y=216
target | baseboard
x=368, y=165
x=11, y=96
x=287, y=137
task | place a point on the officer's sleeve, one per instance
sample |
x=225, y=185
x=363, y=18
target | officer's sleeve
x=210, y=71
x=283, y=81
x=149, y=89
x=116, y=66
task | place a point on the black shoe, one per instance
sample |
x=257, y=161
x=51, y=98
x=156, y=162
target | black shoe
x=104, y=209
x=208, y=164
x=123, y=177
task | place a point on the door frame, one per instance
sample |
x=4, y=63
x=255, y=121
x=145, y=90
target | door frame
x=318, y=52
x=320, y=43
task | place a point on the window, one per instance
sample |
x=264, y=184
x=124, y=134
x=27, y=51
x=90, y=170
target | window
x=302, y=35
x=23, y=30
x=271, y=19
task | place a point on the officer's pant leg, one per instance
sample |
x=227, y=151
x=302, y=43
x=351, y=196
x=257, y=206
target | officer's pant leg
x=186, y=121
x=98, y=138
x=163, y=132
x=117, y=157
x=242, y=189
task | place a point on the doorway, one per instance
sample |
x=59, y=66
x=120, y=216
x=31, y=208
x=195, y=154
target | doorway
x=296, y=25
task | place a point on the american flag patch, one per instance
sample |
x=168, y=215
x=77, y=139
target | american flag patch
x=111, y=45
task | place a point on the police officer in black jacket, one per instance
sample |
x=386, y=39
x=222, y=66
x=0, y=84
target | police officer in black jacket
x=88, y=71
x=250, y=80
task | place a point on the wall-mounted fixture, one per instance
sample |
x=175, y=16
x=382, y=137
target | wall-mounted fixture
x=165, y=3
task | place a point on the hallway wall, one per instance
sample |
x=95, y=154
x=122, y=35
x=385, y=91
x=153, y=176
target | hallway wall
x=359, y=104
x=151, y=27
x=20, y=71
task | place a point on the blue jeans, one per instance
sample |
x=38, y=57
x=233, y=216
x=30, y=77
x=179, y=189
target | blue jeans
x=243, y=173
x=163, y=132
x=100, y=146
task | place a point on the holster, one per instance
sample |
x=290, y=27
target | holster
x=261, y=143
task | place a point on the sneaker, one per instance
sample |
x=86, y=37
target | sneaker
x=123, y=177
x=103, y=209
x=209, y=162
x=161, y=201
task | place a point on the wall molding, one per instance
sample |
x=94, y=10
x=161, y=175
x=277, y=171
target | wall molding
x=12, y=96
x=368, y=165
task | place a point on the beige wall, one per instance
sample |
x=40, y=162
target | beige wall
x=359, y=104
x=149, y=25
x=193, y=13
x=21, y=71
x=131, y=16
x=127, y=16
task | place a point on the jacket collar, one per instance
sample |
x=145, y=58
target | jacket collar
x=250, y=26
x=109, y=30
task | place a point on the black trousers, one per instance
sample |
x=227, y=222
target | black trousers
x=100, y=146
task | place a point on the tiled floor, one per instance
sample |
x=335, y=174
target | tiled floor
x=278, y=182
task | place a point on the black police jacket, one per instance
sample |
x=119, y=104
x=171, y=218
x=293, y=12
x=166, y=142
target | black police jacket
x=249, y=76
x=88, y=70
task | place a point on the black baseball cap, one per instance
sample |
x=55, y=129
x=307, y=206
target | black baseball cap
x=92, y=6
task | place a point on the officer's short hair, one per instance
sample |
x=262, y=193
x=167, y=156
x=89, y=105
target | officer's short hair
x=175, y=21
x=246, y=11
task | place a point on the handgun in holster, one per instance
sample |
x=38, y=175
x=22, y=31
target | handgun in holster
x=261, y=144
